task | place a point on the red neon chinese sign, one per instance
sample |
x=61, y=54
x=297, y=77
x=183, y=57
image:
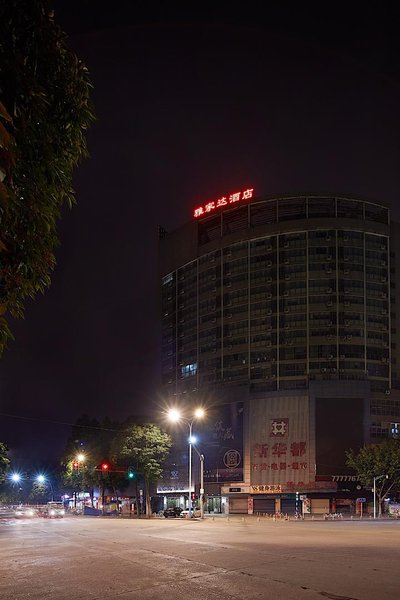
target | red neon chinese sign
x=209, y=207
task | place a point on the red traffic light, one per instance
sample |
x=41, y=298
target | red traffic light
x=75, y=465
x=105, y=466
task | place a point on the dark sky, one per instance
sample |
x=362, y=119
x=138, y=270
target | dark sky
x=191, y=104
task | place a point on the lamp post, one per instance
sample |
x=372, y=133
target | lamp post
x=16, y=480
x=175, y=416
x=78, y=464
x=374, y=490
x=202, y=486
x=201, y=457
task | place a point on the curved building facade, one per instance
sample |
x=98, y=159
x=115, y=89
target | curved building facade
x=289, y=297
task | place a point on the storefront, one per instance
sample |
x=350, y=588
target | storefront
x=264, y=505
x=213, y=505
x=238, y=505
x=319, y=506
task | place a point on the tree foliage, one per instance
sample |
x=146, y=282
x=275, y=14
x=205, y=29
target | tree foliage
x=94, y=440
x=375, y=460
x=39, y=493
x=4, y=461
x=143, y=447
x=45, y=110
x=146, y=448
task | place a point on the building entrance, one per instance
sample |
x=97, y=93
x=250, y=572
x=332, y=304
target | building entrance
x=213, y=505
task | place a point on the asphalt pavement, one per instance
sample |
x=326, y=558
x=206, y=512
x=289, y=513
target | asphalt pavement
x=241, y=558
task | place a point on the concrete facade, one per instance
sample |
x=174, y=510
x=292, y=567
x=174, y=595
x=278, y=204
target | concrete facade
x=283, y=303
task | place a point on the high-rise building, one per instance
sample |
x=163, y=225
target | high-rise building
x=289, y=307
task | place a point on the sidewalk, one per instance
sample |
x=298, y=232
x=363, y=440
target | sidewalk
x=272, y=518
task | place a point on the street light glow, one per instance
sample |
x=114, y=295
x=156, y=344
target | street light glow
x=192, y=439
x=80, y=457
x=40, y=478
x=174, y=415
x=15, y=477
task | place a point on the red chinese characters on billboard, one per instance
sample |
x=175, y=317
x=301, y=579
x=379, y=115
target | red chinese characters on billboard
x=282, y=451
x=210, y=207
x=281, y=456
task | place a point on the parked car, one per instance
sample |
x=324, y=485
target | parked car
x=172, y=511
x=196, y=512
x=25, y=512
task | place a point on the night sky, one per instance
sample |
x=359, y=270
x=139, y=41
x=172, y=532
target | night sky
x=191, y=104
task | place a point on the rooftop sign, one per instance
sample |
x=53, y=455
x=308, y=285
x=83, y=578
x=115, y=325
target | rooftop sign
x=210, y=207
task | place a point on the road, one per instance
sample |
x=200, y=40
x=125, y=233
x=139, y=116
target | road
x=99, y=558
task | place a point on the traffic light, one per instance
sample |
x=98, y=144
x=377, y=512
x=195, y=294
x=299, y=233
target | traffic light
x=131, y=473
x=194, y=496
x=75, y=465
x=105, y=467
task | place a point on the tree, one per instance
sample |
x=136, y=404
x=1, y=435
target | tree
x=45, y=110
x=375, y=460
x=4, y=461
x=38, y=493
x=93, y=439
x=145, y=447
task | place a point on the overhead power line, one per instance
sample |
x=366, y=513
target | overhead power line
x=54, y=422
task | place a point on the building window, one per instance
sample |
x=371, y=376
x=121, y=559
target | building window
x=167, y=279
x=189, y=370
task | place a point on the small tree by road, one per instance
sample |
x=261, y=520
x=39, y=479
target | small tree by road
x=375, y=460
x=145, y=447
x=93, y=440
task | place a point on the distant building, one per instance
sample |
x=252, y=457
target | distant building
x=286, y=311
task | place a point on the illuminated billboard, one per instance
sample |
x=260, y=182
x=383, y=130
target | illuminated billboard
x=229, y=200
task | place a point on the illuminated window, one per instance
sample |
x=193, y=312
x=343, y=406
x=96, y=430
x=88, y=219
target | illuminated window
x=167, y=279
x=189, y=370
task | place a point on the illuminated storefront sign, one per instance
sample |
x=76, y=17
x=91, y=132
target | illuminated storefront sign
x=229, y=200
x=265, y=489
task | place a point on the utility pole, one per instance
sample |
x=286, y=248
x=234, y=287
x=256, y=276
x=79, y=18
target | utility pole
x=202, y=486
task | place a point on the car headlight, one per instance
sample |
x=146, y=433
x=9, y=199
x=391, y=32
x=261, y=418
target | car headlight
x=30, y=513
x=62, y=512
x=52, y=513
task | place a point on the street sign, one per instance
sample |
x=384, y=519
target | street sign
x=361, y=500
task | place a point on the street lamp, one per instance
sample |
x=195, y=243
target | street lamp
x=15, y=477
x=201, y=457
x=374, y=490
x=45, y=480
x=176, y=416
x=77, y=464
